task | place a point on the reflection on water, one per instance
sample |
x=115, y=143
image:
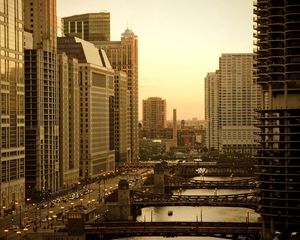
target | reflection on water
x=207, y=214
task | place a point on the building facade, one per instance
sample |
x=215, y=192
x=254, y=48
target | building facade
x=123, y=56
x=41, y=98
x=231, y=98
x=238, y=98
x=96, y=82
x=89, y=26
x=122, y=134
x=212, y=110
x=69, y=106
x=12, y=114
x=277, y=46
x=154, y=114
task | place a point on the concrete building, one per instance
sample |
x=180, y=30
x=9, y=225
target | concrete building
x=154, y=114
x=89, y=26
x=212, y=132
x=41, y=98
x=12, y=124
x=277, y=44
x=123, y=56
x=69, y=106
x=122, y=134
x=230, y=111
x=96, y=81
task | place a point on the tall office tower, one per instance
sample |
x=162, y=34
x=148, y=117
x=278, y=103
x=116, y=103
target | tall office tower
x=230, y=99
x=41, y=98
x=238, y=98
x=154, y=115
x=96, y=81
x=69, y=106
x=12, y=112
x=175, y=127
x=122, y=136
x=212, y=136
x=123, y=56
x=278, y=63
x=89, y=26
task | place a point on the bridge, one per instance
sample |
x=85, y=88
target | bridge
x=232, y=230
x=171, y=182
x=249, y=183
x=144, y=199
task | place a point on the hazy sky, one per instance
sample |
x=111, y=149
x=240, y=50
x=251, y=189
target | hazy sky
x=179, y=42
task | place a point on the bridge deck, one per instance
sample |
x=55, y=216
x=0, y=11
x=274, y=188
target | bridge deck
x=125, y=229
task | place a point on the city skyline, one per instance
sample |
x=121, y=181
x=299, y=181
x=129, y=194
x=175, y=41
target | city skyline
x=211, y=27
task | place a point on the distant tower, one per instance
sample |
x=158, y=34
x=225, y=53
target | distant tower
x=154, y=115
x=123, y=56
x=175, y=127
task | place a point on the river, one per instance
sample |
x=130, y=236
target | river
x=207, y=214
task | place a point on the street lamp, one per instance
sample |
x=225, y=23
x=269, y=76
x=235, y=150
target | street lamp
x=81, y=201
x=6, y=231
x=63, y=215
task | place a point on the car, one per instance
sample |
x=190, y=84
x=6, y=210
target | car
x=14, y=227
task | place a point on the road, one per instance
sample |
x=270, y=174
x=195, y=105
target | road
x=48, y=217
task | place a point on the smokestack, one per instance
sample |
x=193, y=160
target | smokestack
x=175, y=127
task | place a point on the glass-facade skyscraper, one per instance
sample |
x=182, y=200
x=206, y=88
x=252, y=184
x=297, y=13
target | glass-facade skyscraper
x=12, y=113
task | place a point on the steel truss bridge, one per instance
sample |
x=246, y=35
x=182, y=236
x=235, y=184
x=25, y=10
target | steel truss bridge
x=247, y=183
x=144, y=199
x=231, y=230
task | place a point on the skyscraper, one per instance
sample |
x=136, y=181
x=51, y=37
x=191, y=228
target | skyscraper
x=12, y=113
x=231, y=97
x=123, y=56
x=154, y=115
x=122, y=134
x=89, y=26
x=41, y=98
x=277, y=35
x=69, y=106
x=212, y=137
x=96, y=81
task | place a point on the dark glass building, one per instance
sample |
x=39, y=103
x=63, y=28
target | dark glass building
x=89, y=26
x=277, y=25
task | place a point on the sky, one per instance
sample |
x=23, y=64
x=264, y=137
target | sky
x=180, y=41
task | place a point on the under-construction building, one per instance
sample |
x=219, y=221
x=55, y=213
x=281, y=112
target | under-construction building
x=277, y=43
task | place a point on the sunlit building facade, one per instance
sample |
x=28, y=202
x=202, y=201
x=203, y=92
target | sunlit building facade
x=122, y=134
x=231, y=96
x=96, y=82
x=69, y=105
x=277, y=43
x=212, y=110
x=89, y=26
x=41, y=98
x=12, y=114
x=154, y=115
x=123, y=56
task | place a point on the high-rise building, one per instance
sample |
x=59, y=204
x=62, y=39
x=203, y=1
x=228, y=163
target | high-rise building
x=69, y=106
x=89, y=26
x=41, y=98
x=212, y=110
x=96, y=82
x=154, y=115
x=277, y=41
x=12, y=124
x=230, y=110
x=123, y=56
x=122, y=134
